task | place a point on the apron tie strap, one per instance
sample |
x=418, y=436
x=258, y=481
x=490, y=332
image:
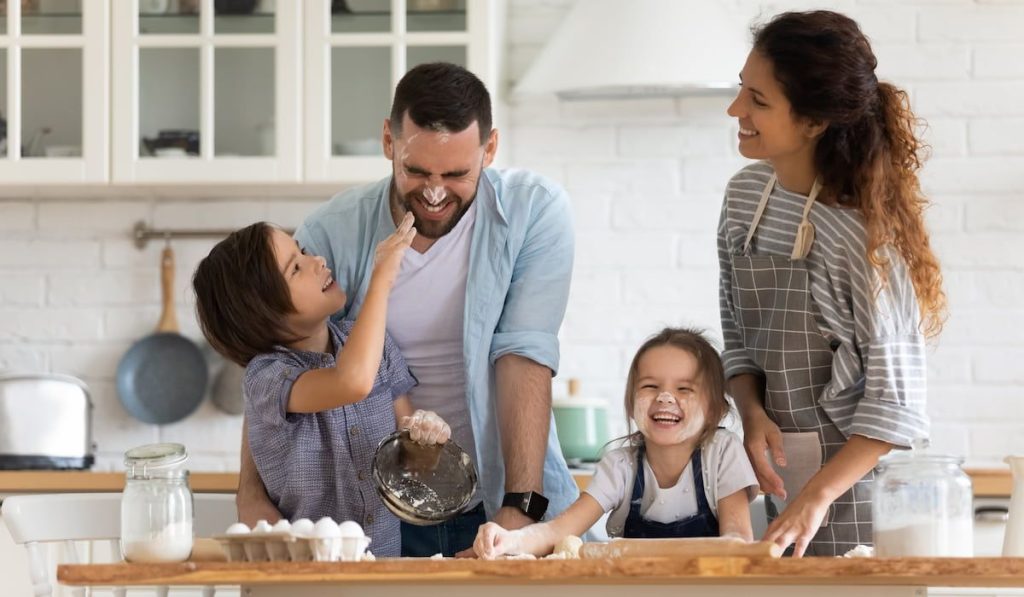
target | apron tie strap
x=804, y=232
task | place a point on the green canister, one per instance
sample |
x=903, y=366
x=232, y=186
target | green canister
x=582, y=425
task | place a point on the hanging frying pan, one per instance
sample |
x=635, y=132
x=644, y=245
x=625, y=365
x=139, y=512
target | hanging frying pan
x=227, y=388
x=162, y=377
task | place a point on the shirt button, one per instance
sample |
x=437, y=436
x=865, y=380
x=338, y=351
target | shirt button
x=369, y=519
x=353, y=431
x=361, y=475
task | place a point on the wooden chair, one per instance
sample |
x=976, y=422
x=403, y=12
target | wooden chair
x=90, y=523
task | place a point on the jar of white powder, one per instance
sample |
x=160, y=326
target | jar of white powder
x=156, y=506
x=922, y=505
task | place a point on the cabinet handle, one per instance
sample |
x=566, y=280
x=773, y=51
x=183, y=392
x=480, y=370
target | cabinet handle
x=992, y=514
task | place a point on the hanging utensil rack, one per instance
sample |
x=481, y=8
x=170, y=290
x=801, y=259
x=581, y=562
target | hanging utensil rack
x=142, y=233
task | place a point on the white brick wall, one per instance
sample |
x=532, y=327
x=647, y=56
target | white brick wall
x=646, y=177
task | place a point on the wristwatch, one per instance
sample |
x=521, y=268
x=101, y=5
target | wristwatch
x=530, y=503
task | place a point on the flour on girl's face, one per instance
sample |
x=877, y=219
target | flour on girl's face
x=669, y=403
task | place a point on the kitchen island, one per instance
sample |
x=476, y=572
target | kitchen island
x=656, y=577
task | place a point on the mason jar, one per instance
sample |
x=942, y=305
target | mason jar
x=922, y=505
x=156, y=506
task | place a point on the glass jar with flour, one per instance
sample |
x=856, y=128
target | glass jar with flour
x=156, y=506
x=922, y=505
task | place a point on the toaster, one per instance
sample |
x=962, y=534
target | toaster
x=45, y=422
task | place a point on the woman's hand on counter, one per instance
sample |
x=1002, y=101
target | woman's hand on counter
x=798, y=523
x=760, y=435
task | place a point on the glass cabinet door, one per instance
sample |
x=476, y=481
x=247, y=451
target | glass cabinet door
x=53, y=91
x=357, y=50
x=207, y=91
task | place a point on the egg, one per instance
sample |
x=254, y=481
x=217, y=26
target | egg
x=350, y=528
x=262, y=526
x=281, y=526
x=326, y=528
x=302, y=527
x=239, y=528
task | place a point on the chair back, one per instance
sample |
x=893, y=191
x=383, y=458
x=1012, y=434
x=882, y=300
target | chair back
x=87, y=529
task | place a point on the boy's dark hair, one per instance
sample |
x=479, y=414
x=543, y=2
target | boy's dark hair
x=241, y=297
x=440, y=95
x=709, y=369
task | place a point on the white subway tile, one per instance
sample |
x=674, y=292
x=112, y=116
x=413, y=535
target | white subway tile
x=984, y=327
x=57, y=254
x=209, y=214
x=950, y=438
x=1001, y=137
x=710, y=174
x=888, y=23
x=902, y=62
x=999, y=61
x=680, y=214
x=623, y=177
x=971, y=23
x=975, y=403
x=1000, y=214
x=129, y=323
x=945, y=213
x=948, y=364
x=23, y=358
x=591, y=212
x=594, y=363
x=114, y=430
x=946, y=137
x=621, y=111
x=969, y=98
x=1000, y=366
x=104, y=288
x=676, y=141
x=87, y=217
x=22, y=289
x=17, y=215
x=596, y=286
x=89, y=360
x=50, y=325
x=973, y=175
x=623, y=249
x=575, y=142
x=291, y=214
x=993, y=250
x=998, y=440
x=207, y=430
x=691, y=291
x=698, y=250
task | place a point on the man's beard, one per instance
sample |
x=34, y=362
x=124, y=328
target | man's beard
x=429, y=228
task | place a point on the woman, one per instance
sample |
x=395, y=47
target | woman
x=828, y=283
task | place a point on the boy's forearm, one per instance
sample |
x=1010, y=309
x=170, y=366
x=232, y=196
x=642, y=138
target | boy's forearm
x=359, y=362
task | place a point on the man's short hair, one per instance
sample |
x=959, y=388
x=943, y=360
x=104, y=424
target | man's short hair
x=442, y=96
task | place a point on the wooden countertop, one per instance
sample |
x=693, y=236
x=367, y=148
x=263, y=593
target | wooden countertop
x=987, y=482
x=85, y=481
x=946, y=572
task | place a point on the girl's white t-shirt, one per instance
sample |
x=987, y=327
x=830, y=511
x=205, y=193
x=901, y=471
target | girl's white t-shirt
x=726, y=470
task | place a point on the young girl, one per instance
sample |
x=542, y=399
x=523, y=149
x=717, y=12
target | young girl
x=319, y=395
x=828, y=283
x=679, y=475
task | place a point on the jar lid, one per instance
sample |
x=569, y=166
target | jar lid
x=919, y=453
x=155, y=456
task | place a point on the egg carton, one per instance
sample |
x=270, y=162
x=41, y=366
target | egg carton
x=282, y=546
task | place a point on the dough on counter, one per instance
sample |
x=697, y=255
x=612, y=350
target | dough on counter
x=861, y=551
x=567, y=549
x=437, y=556
x=519, y=556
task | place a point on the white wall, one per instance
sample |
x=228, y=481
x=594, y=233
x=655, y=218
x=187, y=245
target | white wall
x=646, y=178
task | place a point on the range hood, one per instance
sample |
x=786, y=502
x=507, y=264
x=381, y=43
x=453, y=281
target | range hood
x=641, y=48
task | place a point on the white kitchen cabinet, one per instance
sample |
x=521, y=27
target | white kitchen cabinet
x=205, y=94
x=54, y=91
x=355, y=53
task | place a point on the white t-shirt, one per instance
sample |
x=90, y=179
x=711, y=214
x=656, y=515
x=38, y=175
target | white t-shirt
x=425, y=318
x=725, y=467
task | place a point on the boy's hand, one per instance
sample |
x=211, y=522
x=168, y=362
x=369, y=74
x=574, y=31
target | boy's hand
x=493, y=541
x=388, y=257
x=426, y=427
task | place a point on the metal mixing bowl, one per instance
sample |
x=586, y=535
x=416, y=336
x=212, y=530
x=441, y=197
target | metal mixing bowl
x=423, y=485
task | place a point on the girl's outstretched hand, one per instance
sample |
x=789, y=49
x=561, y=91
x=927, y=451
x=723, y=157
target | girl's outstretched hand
x=493, y=541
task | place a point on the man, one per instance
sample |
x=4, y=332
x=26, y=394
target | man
x=476, y=307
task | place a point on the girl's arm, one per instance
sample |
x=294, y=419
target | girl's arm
x=734, y=516
x=355, y=370
x=540, y=538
